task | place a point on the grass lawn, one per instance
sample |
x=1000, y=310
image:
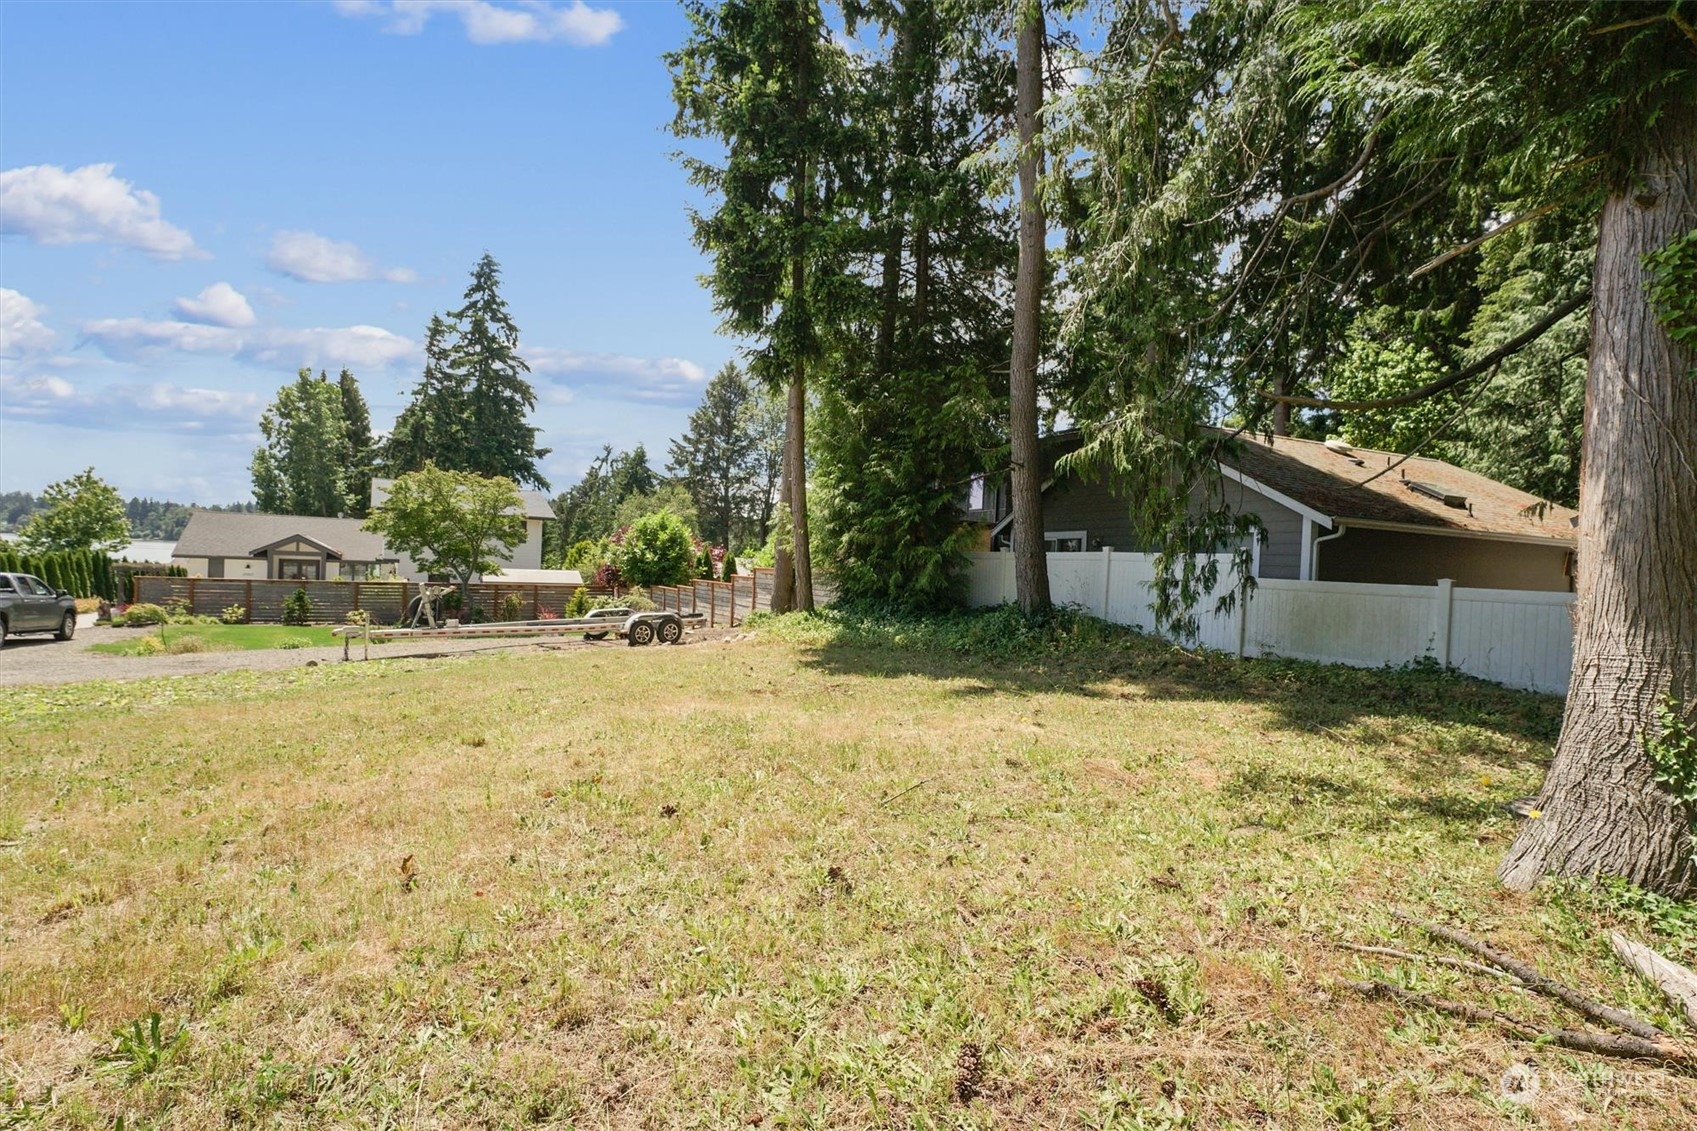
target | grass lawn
x=815, y=879
x=222, y=638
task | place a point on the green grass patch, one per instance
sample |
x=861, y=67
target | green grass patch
x=821, y=878
x=220, y=638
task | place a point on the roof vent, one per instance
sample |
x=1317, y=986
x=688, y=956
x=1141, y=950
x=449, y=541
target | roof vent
x=1339, y=447
x=1433, y=491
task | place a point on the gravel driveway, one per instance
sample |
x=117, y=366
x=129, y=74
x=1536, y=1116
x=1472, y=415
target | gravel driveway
x=41, y=659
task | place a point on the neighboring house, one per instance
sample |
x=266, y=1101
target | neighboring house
x=506, y=576
x=304, y=548
x=281, y=547
x=537, y=512
x=1420, y=522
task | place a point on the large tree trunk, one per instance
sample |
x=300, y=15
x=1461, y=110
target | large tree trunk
x=1602, y=811
x=1031, y=563
x=796, y=439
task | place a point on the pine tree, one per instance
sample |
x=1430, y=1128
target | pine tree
x=359, y=453
x=766, y=80
x=431, y=428
x=485, y=362
x=717, y=457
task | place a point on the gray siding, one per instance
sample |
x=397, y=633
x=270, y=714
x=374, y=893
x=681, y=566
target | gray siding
x=1395, y=557
x=1281, y=553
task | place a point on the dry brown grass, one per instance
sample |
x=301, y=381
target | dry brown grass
x=684, y=887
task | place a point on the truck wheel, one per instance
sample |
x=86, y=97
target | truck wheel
x=671, y=630
x=2, y=632
x=642, y=632
x=67, y=627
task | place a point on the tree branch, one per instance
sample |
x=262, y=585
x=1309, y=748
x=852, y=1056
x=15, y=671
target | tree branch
x=1508, y=349
x=1439, y=261
x=1537, y=982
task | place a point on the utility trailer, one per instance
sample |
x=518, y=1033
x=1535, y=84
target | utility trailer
x=637, y=628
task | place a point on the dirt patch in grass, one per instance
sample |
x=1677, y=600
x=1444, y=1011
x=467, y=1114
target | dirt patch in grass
x=784, y=883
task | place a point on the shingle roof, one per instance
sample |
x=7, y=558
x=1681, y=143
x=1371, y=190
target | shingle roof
x=535, y=502
x=229, y=534
x=1334, y=483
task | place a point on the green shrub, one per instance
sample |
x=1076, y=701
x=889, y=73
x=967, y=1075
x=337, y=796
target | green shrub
x=234, y=614
x=512, y=607
x=584, y=556
x=297, y=607
x=144, y=614
x=729, y=573
x=292, y=642
x=357, y=616
x=656, y=550
x=579, y=604
x=634, y=599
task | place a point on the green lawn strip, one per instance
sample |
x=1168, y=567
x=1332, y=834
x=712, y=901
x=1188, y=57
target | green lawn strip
x=228, y=638
x=787, y=883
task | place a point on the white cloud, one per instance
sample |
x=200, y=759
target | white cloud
x=155, y=407
x=359, y=347
x=670, y=380
x=21, y=330
x=51, y=206
x=217, y=305
x=312, y=258
x=490, y=23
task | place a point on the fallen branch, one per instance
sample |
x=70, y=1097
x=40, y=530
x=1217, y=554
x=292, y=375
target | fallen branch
x=1677, y=983
x=904, y=792
x=1538, y=983
x=1661, y=1051
x=1440, y=959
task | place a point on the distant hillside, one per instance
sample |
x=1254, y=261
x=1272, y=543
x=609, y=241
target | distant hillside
x=151, y=520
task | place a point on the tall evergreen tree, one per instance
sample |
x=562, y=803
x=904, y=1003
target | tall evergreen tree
x=432, y=425
x=766, y=79
x=909, y=412
x=470, y=409
x=356, y=420
x=718, y=457
x=301, y=468
x=500, y=441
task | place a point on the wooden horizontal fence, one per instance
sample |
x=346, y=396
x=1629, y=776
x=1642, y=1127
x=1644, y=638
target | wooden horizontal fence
x=332, y=601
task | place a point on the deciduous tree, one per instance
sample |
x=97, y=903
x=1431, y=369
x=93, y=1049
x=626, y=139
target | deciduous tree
x=302, y=467
x=452, y=522
x=83, y=512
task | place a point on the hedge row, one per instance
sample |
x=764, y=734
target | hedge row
x=83, y=573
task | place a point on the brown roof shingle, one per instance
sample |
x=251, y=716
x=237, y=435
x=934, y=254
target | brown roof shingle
x=1335, y=484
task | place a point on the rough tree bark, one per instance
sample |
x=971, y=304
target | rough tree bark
x=1602, y=811
x=1031, y=564
x=796, y=459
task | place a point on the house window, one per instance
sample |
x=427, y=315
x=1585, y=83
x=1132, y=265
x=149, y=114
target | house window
x=975, y=494
x=300, y=569
x=1064, y=541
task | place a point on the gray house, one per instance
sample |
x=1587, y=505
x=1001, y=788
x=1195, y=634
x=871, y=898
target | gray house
x=303, y=548
x=281, y=546
x=1328, y=519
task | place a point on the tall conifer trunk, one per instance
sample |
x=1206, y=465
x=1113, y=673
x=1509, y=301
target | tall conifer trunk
x=1601, y=810
x=1031, y=564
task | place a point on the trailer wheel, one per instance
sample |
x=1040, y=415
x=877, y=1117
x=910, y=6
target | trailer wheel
x=642, y=632
x=671, y=630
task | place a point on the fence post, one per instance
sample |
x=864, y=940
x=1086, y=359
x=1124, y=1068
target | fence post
x=1107, y=577
x=536, y=602
x=733, y=604
x=356, y=599
x=1443, y=608
x=249, y=600
x=192, y=607
x=1242, y=622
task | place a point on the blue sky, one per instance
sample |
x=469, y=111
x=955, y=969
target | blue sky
x=197, y=199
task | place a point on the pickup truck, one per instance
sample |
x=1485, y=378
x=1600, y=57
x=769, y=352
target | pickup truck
x=29, y=604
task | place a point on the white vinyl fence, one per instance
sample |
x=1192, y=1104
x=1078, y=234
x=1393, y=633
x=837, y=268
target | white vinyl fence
x=1514, y=637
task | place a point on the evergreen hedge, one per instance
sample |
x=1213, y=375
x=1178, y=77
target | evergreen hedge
x=83, y=573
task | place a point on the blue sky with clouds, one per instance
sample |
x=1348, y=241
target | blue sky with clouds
x=197, y=199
